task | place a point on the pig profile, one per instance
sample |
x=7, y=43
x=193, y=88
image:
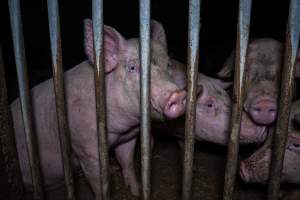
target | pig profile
x=122, y=72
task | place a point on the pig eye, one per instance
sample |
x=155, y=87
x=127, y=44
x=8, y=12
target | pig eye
x=210, y=104
x=296, y=145
x=132, y=66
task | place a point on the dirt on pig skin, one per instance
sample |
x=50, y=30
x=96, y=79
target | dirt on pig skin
x=208, y=176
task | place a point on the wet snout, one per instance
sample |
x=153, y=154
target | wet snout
x=175, y=105
x=263, y=111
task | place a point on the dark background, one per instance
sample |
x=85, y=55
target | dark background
x=217, y=36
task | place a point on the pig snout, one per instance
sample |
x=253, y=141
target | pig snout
x=263, y=111
x=175, y=105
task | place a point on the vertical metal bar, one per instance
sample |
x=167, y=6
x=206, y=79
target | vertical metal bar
x=58, y=81
x=239, y=78
x=291, y=47
x=9, y=165
x=19, y=49
x=192, y=74
x=145, y=55
x=100, y=98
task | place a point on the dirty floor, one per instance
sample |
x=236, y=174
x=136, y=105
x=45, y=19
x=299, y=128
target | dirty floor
x=166, y=176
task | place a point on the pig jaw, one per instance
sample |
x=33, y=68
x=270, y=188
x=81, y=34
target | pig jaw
x=251, y=132
x=256, y=168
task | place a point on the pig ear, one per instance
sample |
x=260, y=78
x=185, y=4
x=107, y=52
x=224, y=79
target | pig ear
x=158, y=33
x=113, y=43
x=201, y=91
x=223, y=84
x=293, y=144
x=297, y=64
x=228, y=67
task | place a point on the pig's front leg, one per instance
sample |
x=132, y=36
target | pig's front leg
x=125, y=156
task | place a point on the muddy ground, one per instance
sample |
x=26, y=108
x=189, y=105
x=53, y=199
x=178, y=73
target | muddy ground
x=166, y=176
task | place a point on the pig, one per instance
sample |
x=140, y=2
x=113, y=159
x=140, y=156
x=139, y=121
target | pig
x=213, y=111
x=263, y=69
x=122, y=72
x=256, y=167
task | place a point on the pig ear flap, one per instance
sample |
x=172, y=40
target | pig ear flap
x=158, y=33
x=228, y=67
x=223, y=84
x=201, y=91
x=297, y=64
x=113, y=44
x=88, y=40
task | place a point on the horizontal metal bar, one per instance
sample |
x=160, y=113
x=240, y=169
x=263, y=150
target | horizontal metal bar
x=286, y=92
x=192, y=75
x=101, y=98
x=19, y=49
x=11, y=179
x=145, y=55
x=239, y=79
x=58, y=81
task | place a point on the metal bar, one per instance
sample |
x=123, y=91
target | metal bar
x=145, y=55
x=101, y=98
x=58, y=81
x=280, y=136
x=192, y=75
x=10, y=172
x=239, y=79
x=19, y=49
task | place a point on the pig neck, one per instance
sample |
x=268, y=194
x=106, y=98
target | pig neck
x=119, y=118
x=122, y=105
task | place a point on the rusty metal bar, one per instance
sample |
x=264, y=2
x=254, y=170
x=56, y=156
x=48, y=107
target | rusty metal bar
x=192, y=75
x=280, y=136
x=239, y=79
x=145, y=55
x=21, y=64
x=101, y=98
x=9, y=164
x=58, y=81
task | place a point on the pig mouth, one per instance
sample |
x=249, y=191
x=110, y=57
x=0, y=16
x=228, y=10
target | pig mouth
x=250, y=134
x=172, y=106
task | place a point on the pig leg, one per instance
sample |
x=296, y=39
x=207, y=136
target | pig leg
x=125, y=156
x=90, y=167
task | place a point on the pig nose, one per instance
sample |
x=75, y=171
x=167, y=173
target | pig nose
x=264, y=112
x=176, y=104
x=244, y=173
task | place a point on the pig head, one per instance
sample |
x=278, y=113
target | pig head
x=213, y=111
x=264, y=61
x=256, y=167
x=123, y=56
